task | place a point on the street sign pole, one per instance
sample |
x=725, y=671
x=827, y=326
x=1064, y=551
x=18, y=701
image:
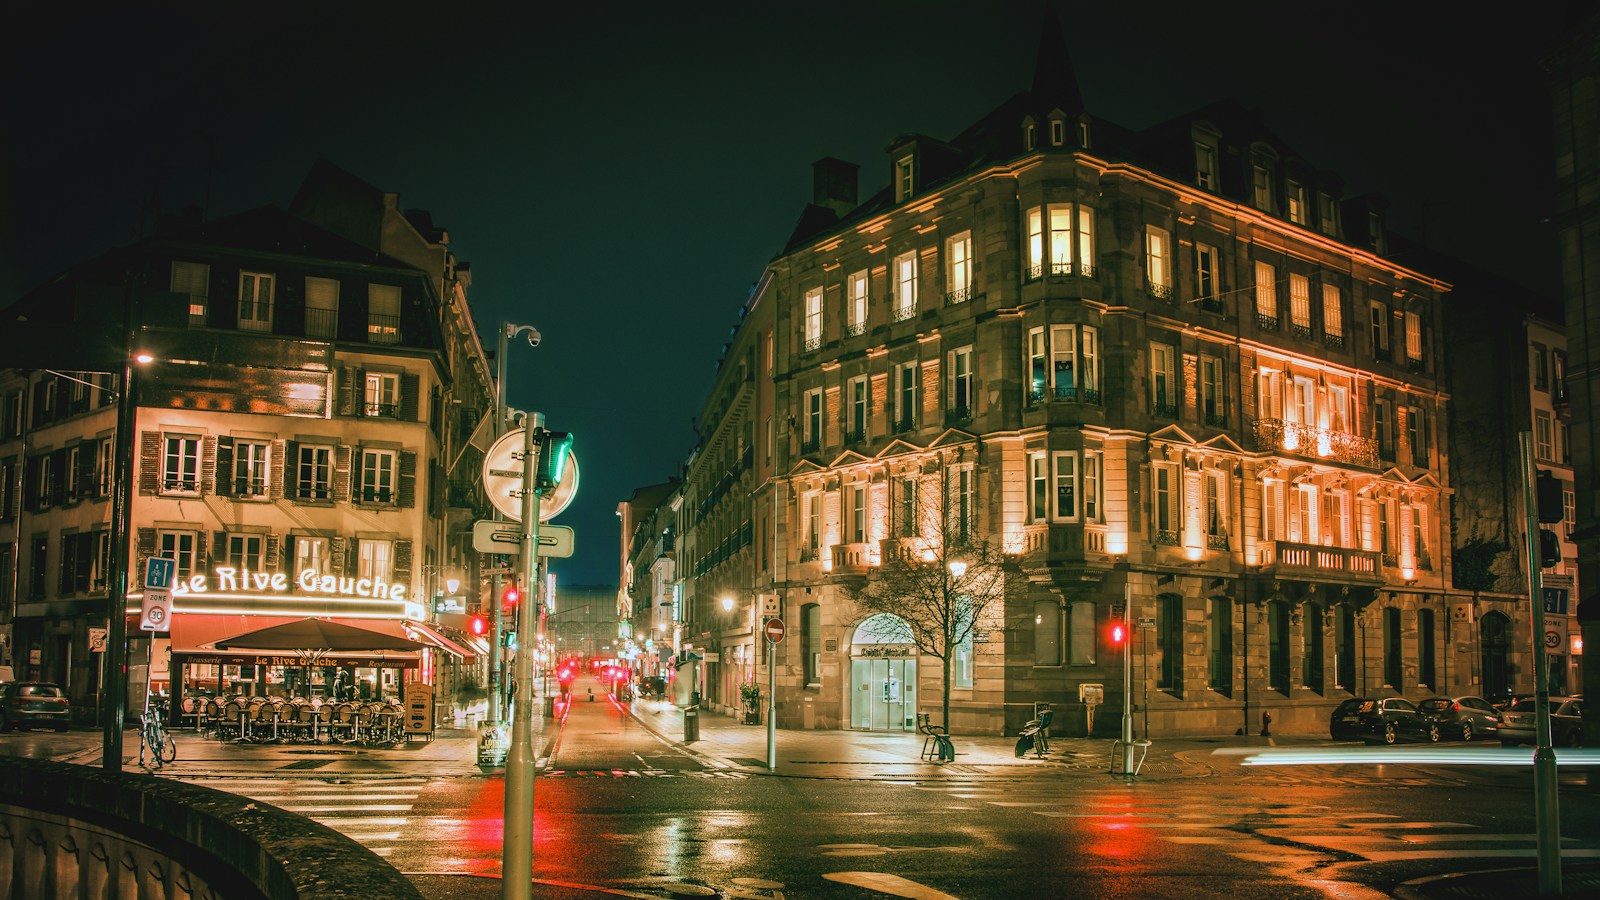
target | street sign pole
x=516, y=879
x=1127, y=681
x=1546, y=809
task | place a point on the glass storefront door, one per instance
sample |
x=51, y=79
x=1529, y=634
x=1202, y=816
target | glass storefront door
x=884, y=694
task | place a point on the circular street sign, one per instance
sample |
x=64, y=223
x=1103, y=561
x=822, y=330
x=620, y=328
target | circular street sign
x=502, y=479
x=773, y=629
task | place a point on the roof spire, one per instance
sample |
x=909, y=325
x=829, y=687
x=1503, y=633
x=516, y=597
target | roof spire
x=1055, y=85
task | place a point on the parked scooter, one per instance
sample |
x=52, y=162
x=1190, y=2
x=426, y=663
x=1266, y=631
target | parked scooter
x=1036, y=734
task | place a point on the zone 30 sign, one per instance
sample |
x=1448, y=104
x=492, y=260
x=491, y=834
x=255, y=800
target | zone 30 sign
x=234, y=581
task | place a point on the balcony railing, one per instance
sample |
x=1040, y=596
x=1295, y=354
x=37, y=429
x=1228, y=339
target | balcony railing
x=1266, y=322
x=1062, y=539
x=913, y=547
x=1216, y=420
x=855, y=436
x=322, y=323
x=383, y=329
x=903, y=424
x=1086, y=270
x=959, y=295
x=852, y=559
x=813, y=342
x=1167, y=537
x=1216, y=542
x=1300, y=330
x=1033, y=273
x=380, y=410
x=1211, y=304
x=1415, y=366
x=1315, y=559
x=1380, y=353
x=1160, y=291
x=811, y=445
x=808, y=554
x=957, y=414
x=1060, y=267
x=1313, y=443
x=1164, y=409
x=855, y=329
x=249, y=487
x=1332, y=341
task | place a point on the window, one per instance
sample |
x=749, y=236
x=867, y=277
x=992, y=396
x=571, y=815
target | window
x=1081, y=633
x=1063, y=353
x=1543, y=448
x=1261, y=188
x=1344, y=647
x=375, y=560
x=1300, y=304
x=250, y=469
x=1164, y=503
x=1425, y=649
x=1057, y=232
x=1537, y=362
x=958, y=274
x=378, y=474
x=180, y=547
x=961, y=497
x=1046, y=633
x=1380, y=330
x=1563, y=443
x=910, y=517
x=255, y=301
x=811, y=434
x=1327, y=215
x=1419, y=535
x=811, y=640
x=1303, y=408
x=1558, y=375
x=855, y=496
x=1270, y=388
x=1169, y=641
x=905, y=172
x=959, y=398
x=856, y=287
x=8, y=487
x=1303, y=528
x=104, y=459
x=1030, y=136
x=1311, y=637
x=1091, y=486
x=1038, y=487
x=1212, y=405
x=811, y=521
x=1214, y=514
x=71, y=470
x=322, y=308
x=1332, y=315
x=8, y=572
x=1083, y=134
x=1278, y=646
x=1272, y=511
x=813, y=322
x=1375, y=230
x=1205, y=166
x=381, y=396
x=11, y=416
x=44, y=485
x=1205, y=277
x=961, y=657
x=907, y=377
x=1158, y=261
x=44, y=400
x=193, y=279
x=311, y=553
x=1220, y=668
x=246, y=551
x=1058, y=132
x=1417, y=434
x=180, y=464
x=383, y=314
x=1266, y=295
x=1163, y=381
x=1066, y=487
x=1295, y=196
x=1413, y=337
x=1383, y=427
x=860, y=400
x=905, y=285
x=1038, y=371
x=85, y=562
x=314, y=473
x=1391, y=649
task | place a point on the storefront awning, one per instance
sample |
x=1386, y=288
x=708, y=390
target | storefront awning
x=194, y=637
x=432, y=634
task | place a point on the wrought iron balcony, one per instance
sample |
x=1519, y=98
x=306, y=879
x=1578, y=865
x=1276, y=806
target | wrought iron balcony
x=808, y=554
x=904, y=312
x=959, y=295
x=1380, y=353
x=813, y=342
x=855, y=329
x=381, y=410
x=1159, y=291
x=1415, y=366
x=1167, y=537
x=1033, y=273
x=1300, y=330
x=1266, y=322
x=1089, y=395
x=1315, y=559
x=322, y=323
x=1036, y=397
x=856, y=436
x=957, y=414
x=1313, y=443
x=810, y=445
x=1164, y=409
x=1086, y=270
x=903, y=424
x=1060, y=267
x=1216, y=542
x=1333, y=341
x=1216, y=420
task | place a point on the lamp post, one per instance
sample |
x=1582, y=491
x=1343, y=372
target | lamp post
x=116, y=661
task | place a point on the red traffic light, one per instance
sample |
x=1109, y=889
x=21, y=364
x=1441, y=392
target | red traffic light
x=1119, y=633
x=479, y=625
x=509, y=598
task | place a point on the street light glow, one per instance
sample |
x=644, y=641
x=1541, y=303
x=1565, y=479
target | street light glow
x=958, y=567
x=144, y=358
x=727, y=604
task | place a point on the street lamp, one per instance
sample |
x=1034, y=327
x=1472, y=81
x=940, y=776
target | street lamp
x=958, y=567
x=727, y=604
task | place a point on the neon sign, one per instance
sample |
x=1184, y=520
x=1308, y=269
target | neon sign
x=232, y=580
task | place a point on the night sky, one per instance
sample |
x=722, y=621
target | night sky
x=618, y=177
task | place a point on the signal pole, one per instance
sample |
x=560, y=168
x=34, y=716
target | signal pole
x=1546, y=809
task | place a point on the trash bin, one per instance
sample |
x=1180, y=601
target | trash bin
x=691, y=724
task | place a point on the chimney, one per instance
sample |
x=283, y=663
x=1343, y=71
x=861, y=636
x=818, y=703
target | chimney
x=834, y=185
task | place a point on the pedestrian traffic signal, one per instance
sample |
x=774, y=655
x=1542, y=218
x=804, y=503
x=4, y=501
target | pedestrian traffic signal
x=1549, y=549
x=1119, y=633
x=509, y=599
x=1547, y=494
x=478, y=625
x=553, y=449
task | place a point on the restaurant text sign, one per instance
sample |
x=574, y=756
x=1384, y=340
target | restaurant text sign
x=229, y=580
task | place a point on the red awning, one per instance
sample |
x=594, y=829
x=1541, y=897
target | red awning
x=193, y=636
x=430, y=634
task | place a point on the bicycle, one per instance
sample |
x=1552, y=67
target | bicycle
x=153, y=736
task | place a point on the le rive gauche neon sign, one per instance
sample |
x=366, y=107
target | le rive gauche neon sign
x=311, y=581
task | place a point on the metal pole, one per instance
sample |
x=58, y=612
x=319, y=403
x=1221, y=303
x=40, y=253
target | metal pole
x=516, y=871
x=116, y=655
x=1127, y=681
x=772, y=706
x=497, y=633
x=1546, y=809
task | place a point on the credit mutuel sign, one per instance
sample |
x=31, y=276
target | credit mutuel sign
x=228, y=589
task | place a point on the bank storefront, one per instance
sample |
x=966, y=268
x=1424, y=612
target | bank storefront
x=883, y=676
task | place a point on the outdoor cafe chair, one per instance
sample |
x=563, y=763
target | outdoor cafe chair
x=231, y=721
x=321, y=718
x=343, y=727
x=261, y=725
x=205, y=714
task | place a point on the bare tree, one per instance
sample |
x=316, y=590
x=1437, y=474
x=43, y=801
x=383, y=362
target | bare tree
x=938, y=578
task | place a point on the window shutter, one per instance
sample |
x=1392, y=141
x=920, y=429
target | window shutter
x=409, y=386
x=223, y=459
x=336, y=555
x=63, y=389
x=341, y=473
x=145, y=548
x=208, y=465
x=269, y=554
x=85, y=474
x=928, y=393
x=219, y=546
x=149, y=461
x=407, y=483
x=58, y=468
x=30, y=484
x=291, y=470
x=280, y=468
x=402, y=564
x=200, y=555
x=69, y=543
x=349, y=397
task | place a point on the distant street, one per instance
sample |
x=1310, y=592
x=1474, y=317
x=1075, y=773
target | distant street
x=622, y=809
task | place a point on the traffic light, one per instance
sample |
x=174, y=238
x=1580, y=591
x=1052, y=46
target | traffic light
x=553, y=449
x=1119, y=634
x=1547, y=494
x=478, y=625
x=1549, y=549
x=509, y=599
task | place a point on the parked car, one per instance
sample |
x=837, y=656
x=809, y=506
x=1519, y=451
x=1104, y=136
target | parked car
x=1380, y=721
x=1566, y=722
x=25, y=704
x=1461, y=717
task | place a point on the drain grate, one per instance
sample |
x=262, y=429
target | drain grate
x=307, y=764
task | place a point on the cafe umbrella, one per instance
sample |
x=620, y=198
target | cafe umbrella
x=313, y=639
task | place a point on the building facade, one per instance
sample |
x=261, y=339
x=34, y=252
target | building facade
x=1172, y=373
x=302, y=444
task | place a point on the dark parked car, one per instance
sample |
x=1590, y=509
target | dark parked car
x=26, y=704
x=1566, y=722
x=1461, y=717
x=1380, y=721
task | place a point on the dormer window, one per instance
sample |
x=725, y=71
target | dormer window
x=905, y=171
x=1205, y=166
x=1058, y=132
x=1261, y=187
x=1030, y=136
x=1083, y=133
x=1327, y=215
x=1295, y=197
x=1375, y=231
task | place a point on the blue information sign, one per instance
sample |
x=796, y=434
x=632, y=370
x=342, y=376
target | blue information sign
x=1555, y=601
x=159, y=572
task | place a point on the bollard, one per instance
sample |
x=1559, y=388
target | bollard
x=1266, y=724
x=691, y=725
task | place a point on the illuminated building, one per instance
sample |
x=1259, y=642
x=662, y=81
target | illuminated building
x=1175, y=363
x=303, y=444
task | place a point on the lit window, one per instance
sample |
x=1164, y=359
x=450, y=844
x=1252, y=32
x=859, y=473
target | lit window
x=383, y=314
x=1296, y=196
x=1332, y=312
x=193, y=279
x=959, y=398
x=1068, y=243
x=382, y=395
x=314, y=473
x=311, y=553
x=1261, y=188
x=857, y=284
x=1158, y=265
x=250, y=469
x=1300, y=303
x=377, y=484
x=905, y=285
x=1205, y=166
x=905, y=169
x=1413, y=337
x=1065, y=504
x=958, y=256
x=375, y=560
x=180, y=464
x=1266, y=295
x=813, y=321
x=255, y=301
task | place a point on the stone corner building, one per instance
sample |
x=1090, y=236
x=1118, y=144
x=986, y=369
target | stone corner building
x=1170, y=368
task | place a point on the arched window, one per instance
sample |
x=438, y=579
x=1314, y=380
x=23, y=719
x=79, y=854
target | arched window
x=1278, y=646
x=1391, y=649
x=811, y=642
x=1311, y=635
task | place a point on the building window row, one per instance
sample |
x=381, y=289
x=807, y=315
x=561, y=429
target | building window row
x=260, y=306
x=182, y=464
x=62, y=477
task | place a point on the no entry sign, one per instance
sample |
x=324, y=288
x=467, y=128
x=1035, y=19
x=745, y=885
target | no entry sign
x=773, y=630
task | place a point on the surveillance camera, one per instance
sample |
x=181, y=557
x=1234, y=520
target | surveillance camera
x=533, y=337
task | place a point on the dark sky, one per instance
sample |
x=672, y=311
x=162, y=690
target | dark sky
x=619, y=176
